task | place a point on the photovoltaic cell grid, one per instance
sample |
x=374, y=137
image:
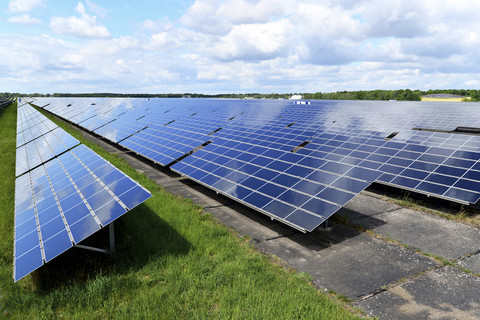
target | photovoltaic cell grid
x=31, y=124
x=437, y=163
x=119, y=129
x=250, y=164
x=91, y=113
x=64, y=201
x=63, y=192
x=294, y=190
x=166, y=140
x=194, y=131
x=42, y=149
x=262, y=153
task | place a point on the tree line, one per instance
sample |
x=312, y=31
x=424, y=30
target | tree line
x=400, y=95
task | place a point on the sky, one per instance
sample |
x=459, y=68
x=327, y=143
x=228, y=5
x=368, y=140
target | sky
x=238, y=46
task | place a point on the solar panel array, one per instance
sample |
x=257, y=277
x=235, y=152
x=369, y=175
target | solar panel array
x=5, y=102
x=298, y=163
x=64, y=192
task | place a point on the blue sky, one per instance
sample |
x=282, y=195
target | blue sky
x=213, y=46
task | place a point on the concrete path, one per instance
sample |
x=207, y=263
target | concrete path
x=388, y=271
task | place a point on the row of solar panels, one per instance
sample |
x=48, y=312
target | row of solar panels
x=5, y=102
x=64, y=192
x=296, y=163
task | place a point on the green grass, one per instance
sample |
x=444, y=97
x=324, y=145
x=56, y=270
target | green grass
x=172, y=262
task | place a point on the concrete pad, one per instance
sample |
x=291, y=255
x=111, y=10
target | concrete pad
x=446, y=293
x=428, y=233
x=250, y=223
x=200, y=195
x=363, y=205
x=347, y=261
x=471, y=263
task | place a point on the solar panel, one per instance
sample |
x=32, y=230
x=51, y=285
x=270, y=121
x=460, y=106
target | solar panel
x=299, y=190
x=299, y=163
x=6, y=101
x=65, y=200
x=64, y=192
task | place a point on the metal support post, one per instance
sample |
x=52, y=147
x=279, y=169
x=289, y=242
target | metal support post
x=111, y=238
x=111, y=235
x=325, y=226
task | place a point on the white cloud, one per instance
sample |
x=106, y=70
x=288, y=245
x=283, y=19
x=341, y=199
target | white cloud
x=336, y=32
x=405, y=19
x=80, y=8
x=202, y=16
x=218, y=17
x=161, y=40
x=95, y=8
x=23, y=5
x=24, y=19
x=85, y=26
x=162, y=36
x=254, y=41
x=127, y=42
x=472, y=83
x=326, y=35
x=245, y=12
x=253, y=45
x=150, y=25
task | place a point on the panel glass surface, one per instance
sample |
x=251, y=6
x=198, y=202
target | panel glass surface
x=65, y=194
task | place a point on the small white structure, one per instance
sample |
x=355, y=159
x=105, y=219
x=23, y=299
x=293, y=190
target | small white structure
x=301, y=102
x=296, y=97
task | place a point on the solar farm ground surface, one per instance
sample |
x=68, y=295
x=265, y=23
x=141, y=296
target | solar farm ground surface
x=173, y=260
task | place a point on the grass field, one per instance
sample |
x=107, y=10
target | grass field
x=173, y=261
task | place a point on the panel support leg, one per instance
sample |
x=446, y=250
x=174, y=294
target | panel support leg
x=325, y=226
x=111, y=238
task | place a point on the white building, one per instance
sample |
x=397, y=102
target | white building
x=296, y=97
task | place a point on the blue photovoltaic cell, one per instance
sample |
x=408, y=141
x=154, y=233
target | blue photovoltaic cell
x=328, y=151
x=304, y=219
